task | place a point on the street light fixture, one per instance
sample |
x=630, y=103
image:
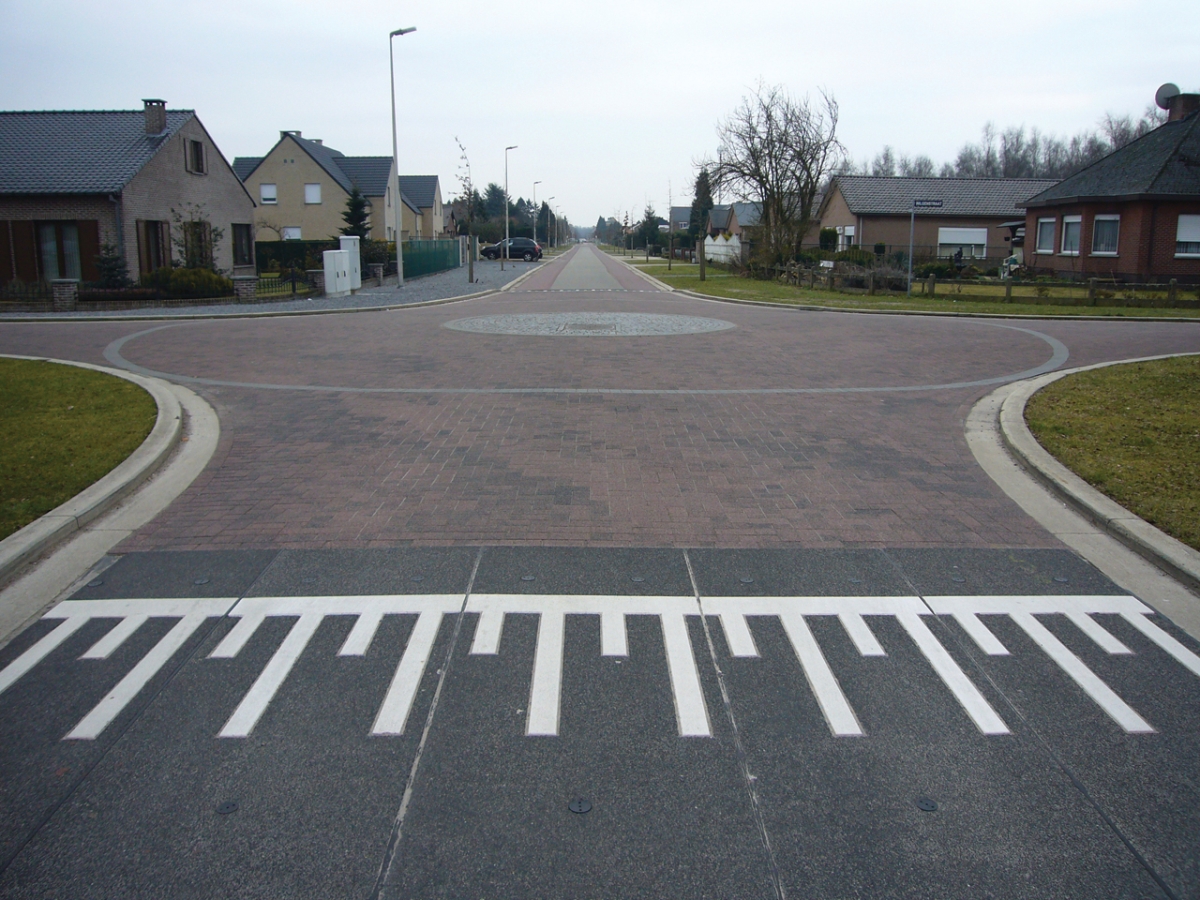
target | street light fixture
x=506, y=256
x=548, y=214
x=535, y=210
x=395, y=161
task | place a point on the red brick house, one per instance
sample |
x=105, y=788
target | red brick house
x=1132, y=216
x=71, y=181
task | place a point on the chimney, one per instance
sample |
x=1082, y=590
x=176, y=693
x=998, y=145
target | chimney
x=1181, y=106
x=284, y=134
x=317, y=141
x=156, y=116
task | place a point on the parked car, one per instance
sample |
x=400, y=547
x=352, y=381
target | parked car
x=519, y=248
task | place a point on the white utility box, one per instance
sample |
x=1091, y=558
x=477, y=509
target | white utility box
x=337, y=273
x=349, y=243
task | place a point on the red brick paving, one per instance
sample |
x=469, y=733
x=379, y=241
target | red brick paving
x=305, y=469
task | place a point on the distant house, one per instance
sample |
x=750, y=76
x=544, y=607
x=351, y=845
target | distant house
x=974, y=217
x=1132, y=216
x=72, y=181
x=680, y=218
x=302, y=187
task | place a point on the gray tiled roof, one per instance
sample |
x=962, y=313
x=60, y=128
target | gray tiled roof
x=871, y=195
x=244, y=166
x=748, y=214
x=84, y=152
x=1163, y=163
x=718, y=217
x=370, y=173
x=680, y=214
x=419, y=188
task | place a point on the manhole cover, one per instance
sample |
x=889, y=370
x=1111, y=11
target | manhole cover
x=589, y=324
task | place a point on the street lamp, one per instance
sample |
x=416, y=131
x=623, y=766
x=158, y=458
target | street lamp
x=548, y=214
x=395, y=160
x=535, y=210
x=506, y=256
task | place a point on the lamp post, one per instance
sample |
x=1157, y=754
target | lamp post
x=535, y=210
x=556, y=220
x=395, y=160
x=549, y=213
x=506, y=256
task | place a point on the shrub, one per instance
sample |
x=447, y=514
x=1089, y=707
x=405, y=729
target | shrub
x=828, y=238
x=188, y=282
x=937, y=269
x=856, y=256
x=880, y=248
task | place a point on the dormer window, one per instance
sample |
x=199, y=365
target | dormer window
x=195, y=157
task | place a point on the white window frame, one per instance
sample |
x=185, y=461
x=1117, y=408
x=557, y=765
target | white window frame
x=1187, y=226
x=309, y=193
x=1037, y=244
x=262, y=193
x=1106, y=218
x=1062, y=245
x=291, y=233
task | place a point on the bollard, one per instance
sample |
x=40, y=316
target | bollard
x=377, y=273
x=1172, y=291
x=65, y=294
x=1008, y=290
x=871, y=283
x=931, y=286
x=1091, y=295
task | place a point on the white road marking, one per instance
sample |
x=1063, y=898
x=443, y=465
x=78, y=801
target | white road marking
x=546, y=685
x=39, y=651
x=104, y=647
x=397, y=704
x=864, y=640
x=836, y=709
x=1141, y=621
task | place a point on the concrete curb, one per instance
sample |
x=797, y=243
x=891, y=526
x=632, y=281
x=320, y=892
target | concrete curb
x=1157, y=547
x=28, y=544
x=512, y=284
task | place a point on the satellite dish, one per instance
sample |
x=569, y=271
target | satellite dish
x=1165, y=94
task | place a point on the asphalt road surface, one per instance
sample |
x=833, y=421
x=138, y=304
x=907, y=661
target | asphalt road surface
x=592, y=590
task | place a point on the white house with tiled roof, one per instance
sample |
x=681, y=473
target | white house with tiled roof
x=71, y=181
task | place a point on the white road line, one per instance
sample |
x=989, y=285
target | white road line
x=39, y=651
x=397, y=704
x=359, y=639
x=1117, y=709
x=738, y=635
x=487, y=633
x=545, y=686
x=118, y=698
x=691, y=712
x=1097, y=633
x=233, y=642
x=834, y=706
x=255, y=703
x=964, y=691
x=104, y=647
x=980, y=634
x=614, y=640
x=861, y=634
x=1182, y=655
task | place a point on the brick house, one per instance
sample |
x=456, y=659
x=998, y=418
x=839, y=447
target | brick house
x=72, y=181
x=302, y=187
x=975, y=216
x=1132, y=216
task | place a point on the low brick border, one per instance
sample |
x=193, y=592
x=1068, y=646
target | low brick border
x=26, y=545
x=1152, y=544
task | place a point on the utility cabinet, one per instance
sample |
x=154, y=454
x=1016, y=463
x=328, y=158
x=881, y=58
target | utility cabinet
x=337, y=273
x=349, y=243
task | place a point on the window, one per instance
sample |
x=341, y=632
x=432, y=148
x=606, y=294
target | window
x=1045, y=236
x=1070, y=238
x=243, y=245
x=1105, y=231
x=971, y=241
x=58, y=250
x=1187, y=236
x=195, y=157
x=267, y=193
x=312, y=193
x=154, y=245
x=291, y=234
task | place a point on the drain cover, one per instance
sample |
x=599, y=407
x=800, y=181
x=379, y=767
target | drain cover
x=746, y=579
x=638, y=578
x=96, y=583
x=926, y=805
x=579, y=806
x=528, y=577
x=200, y=581
x=229, y=806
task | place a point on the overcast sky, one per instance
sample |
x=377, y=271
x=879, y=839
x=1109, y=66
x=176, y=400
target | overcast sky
x=609, y=103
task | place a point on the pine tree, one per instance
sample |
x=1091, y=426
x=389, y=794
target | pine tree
x=355, y=216
x=701, y=205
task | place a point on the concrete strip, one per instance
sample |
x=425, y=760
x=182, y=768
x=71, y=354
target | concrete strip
x=1139, y=535
x=34, y=539
x=51, y=573
x=513, y=284
x=1138, y=571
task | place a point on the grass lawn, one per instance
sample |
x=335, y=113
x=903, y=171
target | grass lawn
x=1132, y=432
x=61, y=429
x=686, y=276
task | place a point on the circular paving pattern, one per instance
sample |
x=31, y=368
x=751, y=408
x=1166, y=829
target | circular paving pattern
x=585, y=324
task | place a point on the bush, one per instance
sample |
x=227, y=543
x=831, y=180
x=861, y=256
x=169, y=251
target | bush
x=188, y=283
x=828, y=238
x=880, y=249
x=938, y=270
x=856, y=256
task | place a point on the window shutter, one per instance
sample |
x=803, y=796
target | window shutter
x=8, y=265
x=89, y=249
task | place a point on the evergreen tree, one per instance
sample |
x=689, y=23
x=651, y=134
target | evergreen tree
x=114, y=273
x=494, y=199
x=355, y=216
x=701, y=205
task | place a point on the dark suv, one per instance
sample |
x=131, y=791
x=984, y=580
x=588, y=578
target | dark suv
x=519, y=248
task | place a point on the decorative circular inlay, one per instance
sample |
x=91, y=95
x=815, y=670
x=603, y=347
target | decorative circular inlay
x=586, y=324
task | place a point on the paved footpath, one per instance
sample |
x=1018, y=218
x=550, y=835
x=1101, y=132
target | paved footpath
x=592, y=590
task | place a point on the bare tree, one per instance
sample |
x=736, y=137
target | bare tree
x=776, y=150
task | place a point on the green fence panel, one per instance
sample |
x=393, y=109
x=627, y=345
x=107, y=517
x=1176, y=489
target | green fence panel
x=427, y=257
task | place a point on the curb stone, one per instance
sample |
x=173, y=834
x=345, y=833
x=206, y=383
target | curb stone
x=1152, y=544
x=28, y=544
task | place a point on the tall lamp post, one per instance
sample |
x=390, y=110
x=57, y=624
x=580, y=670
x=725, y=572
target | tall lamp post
x=395, y=159
x=535, y=210
x=506, y=256
x=548, y=214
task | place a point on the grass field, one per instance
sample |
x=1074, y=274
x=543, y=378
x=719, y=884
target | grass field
x=1132, y=432
x=719, y=283
x=62, y=429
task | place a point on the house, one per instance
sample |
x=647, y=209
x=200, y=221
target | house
x=1133, y=215
x=145, y=181
x=972, y=215
x=723, y=236
x=302, y=187
x=680, y=218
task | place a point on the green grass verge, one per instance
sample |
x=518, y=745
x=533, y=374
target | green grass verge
x=63, y=429
x=1133, y=433
x=686, y=277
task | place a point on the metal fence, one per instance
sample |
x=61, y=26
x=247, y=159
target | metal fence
x=428, y=257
